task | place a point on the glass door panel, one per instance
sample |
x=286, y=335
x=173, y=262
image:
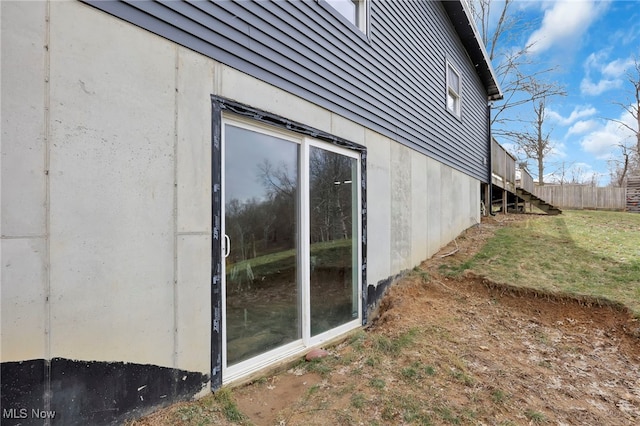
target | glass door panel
x=333, y=212
x=261, y=226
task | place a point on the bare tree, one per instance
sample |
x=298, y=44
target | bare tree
x=578, y=175
x=535, y=144
x=481, y=11
x=534, y=138
x=630, y=161
x=619, y=167
x=510, y=65
x=278, y=180
x=634, y=107
x=330, y=185
x=561, y=173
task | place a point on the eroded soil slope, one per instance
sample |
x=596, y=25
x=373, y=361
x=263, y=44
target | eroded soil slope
x=460, y=351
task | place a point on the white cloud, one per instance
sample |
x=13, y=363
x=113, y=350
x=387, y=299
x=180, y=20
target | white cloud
x=558, y=151
x=626, y=35
x=602, y=142
x=588, y=87
x=578, y=112
x=582, y=126
x=564, y=23
x=617, y=68
x=610, y=73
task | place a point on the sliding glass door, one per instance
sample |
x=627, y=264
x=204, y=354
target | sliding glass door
x=333, y=212
x=261, y=204
x=291, y=243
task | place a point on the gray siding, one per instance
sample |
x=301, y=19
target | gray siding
x=392, y=81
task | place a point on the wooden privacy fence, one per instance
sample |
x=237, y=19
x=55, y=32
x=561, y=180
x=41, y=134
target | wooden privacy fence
x=582, y=197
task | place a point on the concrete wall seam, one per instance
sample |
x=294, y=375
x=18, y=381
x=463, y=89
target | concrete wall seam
x=176, y=335
x=47, y=137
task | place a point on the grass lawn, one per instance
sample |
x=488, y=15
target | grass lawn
x=584, y=253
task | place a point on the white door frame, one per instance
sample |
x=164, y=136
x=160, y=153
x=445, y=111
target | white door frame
x=244, y=368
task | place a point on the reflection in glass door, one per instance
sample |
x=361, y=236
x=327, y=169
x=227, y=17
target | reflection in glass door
x=333, y=213
x=291, y=223
x=261, y=205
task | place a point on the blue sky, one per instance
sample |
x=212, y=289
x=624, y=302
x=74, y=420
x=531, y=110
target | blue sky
x=592, y=45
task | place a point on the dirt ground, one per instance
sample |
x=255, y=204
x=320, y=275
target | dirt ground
x=477, y=353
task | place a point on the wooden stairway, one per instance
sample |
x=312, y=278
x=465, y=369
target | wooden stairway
x=538, y=202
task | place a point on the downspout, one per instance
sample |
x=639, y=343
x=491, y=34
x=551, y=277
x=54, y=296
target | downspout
x=489, y=162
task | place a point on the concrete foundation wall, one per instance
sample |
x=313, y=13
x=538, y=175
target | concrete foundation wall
x=23, y=217
x=106, y=205
x=106, y=189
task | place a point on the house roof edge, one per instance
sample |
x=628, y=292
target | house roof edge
x=460, y=15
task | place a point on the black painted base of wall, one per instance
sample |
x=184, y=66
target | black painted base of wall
x=89, y=392
x=376, y=293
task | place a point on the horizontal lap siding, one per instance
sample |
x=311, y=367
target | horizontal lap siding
x=428, y=40
x=393, y=83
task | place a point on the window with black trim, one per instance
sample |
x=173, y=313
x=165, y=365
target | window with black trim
x=356, y=11
x=454, y=90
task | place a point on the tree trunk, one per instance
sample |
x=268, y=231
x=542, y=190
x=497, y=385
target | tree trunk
x=540, y=171
x=624, y=170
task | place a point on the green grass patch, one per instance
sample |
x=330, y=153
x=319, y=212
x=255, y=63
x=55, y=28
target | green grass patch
x=423, y=275
x=358, y=400
x=447, y=415
x=582, y=253
x=321, y=366
x=372, y=361
x=388, y=345
x=454, y=270
x=377, y=383
x=217, y=408
x=228, y=405
x=410, y=373
x=463, y=377
x=313, y=389
x=535, y=416
x=417, y=371
x=413, y=413
x=357, y=340
x=195, y=415
x=498, y=396
x=430, y=370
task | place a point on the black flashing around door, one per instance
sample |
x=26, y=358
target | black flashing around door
x=216, y=248
x=219, y=105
